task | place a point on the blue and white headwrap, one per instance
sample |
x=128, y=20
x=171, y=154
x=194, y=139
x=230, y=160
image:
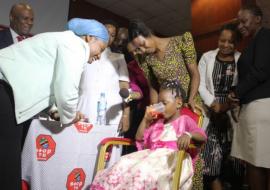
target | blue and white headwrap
x=91, y=27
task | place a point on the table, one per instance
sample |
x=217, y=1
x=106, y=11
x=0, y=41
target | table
x=57, y=158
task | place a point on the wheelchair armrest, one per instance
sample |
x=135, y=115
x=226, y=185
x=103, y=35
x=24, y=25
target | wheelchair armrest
x=105, y=143
x=116, y=141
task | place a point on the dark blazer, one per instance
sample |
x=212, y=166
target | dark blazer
x=254, y=69
x=5, y=38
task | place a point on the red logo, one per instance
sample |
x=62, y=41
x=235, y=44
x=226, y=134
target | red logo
x=76, y=179
x=45, y=146
x=83, y=127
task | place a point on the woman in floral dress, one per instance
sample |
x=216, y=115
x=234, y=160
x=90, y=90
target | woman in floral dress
x=172, y=58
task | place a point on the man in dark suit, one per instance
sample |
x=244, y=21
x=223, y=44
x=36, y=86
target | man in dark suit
x=21, y=21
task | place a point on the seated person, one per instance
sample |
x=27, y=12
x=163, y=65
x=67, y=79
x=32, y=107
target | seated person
x=153, y=165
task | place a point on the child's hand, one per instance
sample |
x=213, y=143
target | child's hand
x=148, y=114
x=184, y=141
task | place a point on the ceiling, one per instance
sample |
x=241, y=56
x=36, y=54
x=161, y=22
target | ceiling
x=166, y=17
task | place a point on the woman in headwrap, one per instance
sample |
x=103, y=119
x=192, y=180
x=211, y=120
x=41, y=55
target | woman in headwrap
x=36, y=73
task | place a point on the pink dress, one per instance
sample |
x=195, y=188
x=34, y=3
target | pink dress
x=153, y=167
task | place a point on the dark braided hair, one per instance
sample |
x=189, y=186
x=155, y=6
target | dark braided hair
x=176, y=88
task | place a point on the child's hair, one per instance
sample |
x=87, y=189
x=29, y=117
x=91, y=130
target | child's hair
x=176, y=88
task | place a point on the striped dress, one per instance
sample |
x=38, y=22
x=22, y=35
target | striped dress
x=219, y=130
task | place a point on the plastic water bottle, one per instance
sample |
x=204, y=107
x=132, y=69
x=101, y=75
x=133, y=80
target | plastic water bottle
x=101, y=109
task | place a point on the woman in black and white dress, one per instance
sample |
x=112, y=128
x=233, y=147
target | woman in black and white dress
x=218, y=75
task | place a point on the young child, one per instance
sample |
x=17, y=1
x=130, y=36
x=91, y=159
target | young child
x=153, y=167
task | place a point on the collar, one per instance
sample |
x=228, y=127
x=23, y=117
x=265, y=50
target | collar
x=14, y=35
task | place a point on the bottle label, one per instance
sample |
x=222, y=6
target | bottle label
x=101, y=110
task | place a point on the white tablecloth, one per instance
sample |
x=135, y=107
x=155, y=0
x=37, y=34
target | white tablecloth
x=58, y=158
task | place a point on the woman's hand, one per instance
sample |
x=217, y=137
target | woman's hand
x=55, y=115
x=216, y=107
x=79, y=116
x=124, y=123
x=192, y=104
x=232, y=97
x=219, y=108
x=184, y=141
x=235, y=113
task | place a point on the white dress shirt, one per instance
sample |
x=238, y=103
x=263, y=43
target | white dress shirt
x=14, y=36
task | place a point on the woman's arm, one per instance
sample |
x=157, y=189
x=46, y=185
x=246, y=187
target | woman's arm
x=67, y=74
x=153, y=94
x=194, y=83
x=207, y=97
x=189, y=54
x=124, y=122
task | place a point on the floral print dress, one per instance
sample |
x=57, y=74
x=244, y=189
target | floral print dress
x=180, y=52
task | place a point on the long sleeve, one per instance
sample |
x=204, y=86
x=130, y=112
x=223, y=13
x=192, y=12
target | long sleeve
x=69, y=66
x=122, y=69
x=259, y=67
x=207, y=97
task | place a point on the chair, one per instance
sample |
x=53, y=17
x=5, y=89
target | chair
x=108, y=142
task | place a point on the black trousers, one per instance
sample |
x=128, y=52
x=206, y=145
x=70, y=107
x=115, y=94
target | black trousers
x=11, y=136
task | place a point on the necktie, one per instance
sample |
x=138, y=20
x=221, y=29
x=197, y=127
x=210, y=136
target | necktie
x=20, y=38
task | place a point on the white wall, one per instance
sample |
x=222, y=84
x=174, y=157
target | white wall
x=49, y=15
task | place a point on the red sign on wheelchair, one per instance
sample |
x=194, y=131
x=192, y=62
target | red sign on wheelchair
x=76, y=179
x=45, y=146
x=83, y=127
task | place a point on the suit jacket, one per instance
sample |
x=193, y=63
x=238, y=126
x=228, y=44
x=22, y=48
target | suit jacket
x=254, y=69
x=5, y=38
x=43, y=70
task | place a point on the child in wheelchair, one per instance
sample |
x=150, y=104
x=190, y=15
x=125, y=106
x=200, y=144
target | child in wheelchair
x=158, y=141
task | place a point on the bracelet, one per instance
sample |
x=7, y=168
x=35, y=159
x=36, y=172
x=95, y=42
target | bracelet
x=188, y=134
